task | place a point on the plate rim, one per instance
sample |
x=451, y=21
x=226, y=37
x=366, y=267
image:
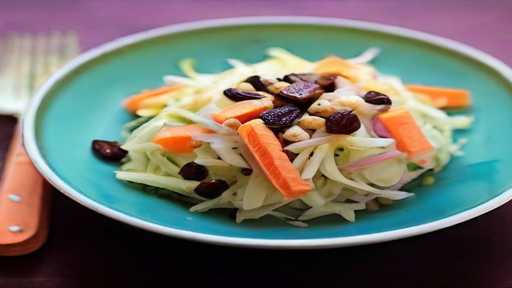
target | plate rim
x=29, y=135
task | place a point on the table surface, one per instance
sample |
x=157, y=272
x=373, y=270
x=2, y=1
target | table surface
x=89, y=250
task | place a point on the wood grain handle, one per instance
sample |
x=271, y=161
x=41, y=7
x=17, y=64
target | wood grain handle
x=22, y=199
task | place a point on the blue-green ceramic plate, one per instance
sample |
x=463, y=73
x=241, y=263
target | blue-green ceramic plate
x=81, y=103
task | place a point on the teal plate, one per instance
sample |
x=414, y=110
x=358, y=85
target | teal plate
x=82, y=102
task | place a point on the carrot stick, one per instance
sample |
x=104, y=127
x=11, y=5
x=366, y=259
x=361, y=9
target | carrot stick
x=406, y=132
x=179, y=139
x=243, y=111
x=266, y=149
x=133, y=103
x=443, y=97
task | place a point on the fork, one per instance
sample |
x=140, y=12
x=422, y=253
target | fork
x=26, y=61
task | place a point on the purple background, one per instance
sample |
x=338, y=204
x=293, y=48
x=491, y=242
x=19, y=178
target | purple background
x=89, y=250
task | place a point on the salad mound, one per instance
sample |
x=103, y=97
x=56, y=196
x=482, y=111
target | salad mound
x=287, y=137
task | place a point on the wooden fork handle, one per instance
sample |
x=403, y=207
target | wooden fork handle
x=23, y=203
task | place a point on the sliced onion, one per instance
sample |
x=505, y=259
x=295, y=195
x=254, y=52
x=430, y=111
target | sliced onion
x=302, y=158
x=365, y=142
x=343, y=140
x=385, y=173
x=211, y=162
x=379, y=129
x=347, y=91
x=320, y=133
x=314, y=162
x=366, y=56
x=256, y=190
x=241, y=66
x=362, y=198
x=370, y=160
x=216, y=138
x=229, y=155
x=367, y=123
x=177, y=80
x=331, y=171
x=208, y=110
x=299, y=146
x=407, y=177
x=199, y=119
x=345, y=210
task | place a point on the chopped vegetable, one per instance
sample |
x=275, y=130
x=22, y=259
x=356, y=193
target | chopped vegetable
x=370, y=160
x=257, y=190
x=405, y=130
x=443, y=97
x=179, y=139
x=181, y=186
x=314, y=162
x=243, y=111
x=267, y=151
x=385, y=173
x=136, y=102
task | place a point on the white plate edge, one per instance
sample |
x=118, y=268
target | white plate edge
x=39, y=162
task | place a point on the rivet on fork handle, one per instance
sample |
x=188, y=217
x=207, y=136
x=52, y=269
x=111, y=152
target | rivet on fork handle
x=22, y=202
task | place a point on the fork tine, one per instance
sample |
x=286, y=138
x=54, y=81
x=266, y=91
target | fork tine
x=11, y=57
x=39, y=61
x=24, y=71
x=71, y=46
x=3, y=51
x=67, y=48
x=8, y=75
x=53, y=52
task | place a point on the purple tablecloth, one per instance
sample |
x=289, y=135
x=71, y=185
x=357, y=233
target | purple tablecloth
x=89, y=250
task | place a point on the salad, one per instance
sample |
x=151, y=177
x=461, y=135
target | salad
x=287, y=137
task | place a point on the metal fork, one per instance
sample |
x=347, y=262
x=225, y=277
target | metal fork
x=26, y=61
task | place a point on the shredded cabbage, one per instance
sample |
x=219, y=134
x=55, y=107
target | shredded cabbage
x=184, y=187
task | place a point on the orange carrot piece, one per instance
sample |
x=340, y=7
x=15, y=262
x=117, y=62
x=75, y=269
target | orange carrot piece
x=338, y=66
x=243, y=111
x=179, y=139
x=133, y=102
x=443, y=97
x=266, y=149
x=406, y=132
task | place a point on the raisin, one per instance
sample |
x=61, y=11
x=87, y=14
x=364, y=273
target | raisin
x=302, y=92
x=239, y=95
x=344, y=122
x=281, y=117
x=108, y=150
x=193, y=171
x=246, y=171
x=257, y=83
x=297, y=77
x=279, y=101
x=377, y=98
x=211, y=188
x=327, y=82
